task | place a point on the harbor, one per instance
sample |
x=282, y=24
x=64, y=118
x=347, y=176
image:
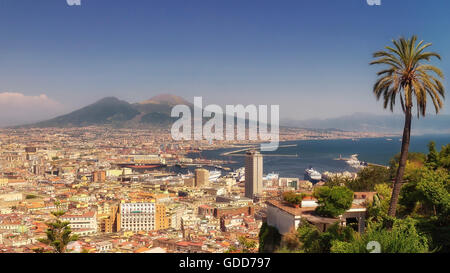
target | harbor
x=354, y=162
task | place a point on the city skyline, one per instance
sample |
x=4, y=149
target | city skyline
x=315, y=53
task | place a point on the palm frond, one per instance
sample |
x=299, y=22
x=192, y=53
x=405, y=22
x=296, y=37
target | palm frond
x=408, y=76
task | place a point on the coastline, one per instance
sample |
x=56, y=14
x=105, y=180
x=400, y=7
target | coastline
x=321, y=153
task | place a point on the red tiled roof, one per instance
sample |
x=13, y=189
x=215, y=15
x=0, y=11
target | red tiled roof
x=84, y=215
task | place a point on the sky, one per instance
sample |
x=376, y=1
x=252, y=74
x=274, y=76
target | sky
x=308, y=56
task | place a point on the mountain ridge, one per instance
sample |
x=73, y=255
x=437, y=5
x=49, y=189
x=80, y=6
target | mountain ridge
x=156, y=112
x=113, y=111
x=377, y=123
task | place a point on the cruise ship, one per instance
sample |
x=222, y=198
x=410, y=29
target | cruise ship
x=312, y=175
x=214, y=175
x=271, y=176
x=188, y=175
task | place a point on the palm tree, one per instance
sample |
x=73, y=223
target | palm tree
x=408, y=75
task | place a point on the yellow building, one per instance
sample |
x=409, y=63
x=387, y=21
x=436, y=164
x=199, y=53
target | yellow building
x=114, y=172
x=161, y=219
x=108, y=217
x=3, y=181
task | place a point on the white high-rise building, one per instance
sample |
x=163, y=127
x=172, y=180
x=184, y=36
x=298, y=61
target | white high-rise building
x=253, y=174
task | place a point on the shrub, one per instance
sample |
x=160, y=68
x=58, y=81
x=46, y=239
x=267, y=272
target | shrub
x=293, y=198
x=402, y=238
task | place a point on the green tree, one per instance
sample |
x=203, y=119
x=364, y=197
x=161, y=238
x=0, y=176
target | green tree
x=408, y=75
x=433, y=156
x=434, y=189
x=426, y=193
x=59, y=234
x=269, y=238
x=409, y=200
x=312, y=240
x=444, y=157
x=402, y=238
x=438, y=230
x=417, y=159
x=368, y=178
x=246, y=245
x=378, y=209
x=333, y=201
x=309, y=237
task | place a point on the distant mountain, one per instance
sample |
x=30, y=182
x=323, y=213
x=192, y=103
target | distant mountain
x=165, y=99
x=365, y=122
x=155, y=112
x=159, y=107
x=105, y=111
x=112, y=111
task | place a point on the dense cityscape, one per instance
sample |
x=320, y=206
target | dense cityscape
x=128, y=190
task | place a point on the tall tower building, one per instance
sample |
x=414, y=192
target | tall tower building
x=253, y=174
x=201, y=177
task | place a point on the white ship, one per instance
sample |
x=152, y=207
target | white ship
x=238, y=174
x=241, y=178
x=312, y=175
x=355, y=163
x=214, y=175
x=271, y=176
x=184, y=176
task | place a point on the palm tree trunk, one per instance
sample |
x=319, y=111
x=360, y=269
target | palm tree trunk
x=402, y=163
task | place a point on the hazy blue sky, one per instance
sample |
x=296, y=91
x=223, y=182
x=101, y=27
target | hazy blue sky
x=309, y=56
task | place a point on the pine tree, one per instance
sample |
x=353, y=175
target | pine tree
x=433, y=157
x=59, y=234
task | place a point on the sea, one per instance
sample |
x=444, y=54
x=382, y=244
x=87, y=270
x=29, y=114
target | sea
x=322, y=154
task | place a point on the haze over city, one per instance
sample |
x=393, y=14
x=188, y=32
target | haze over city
x=311, y=57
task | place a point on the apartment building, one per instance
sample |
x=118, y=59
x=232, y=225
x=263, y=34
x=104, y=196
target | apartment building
x=82, y=223
x=143, y=216
x=107, y=217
